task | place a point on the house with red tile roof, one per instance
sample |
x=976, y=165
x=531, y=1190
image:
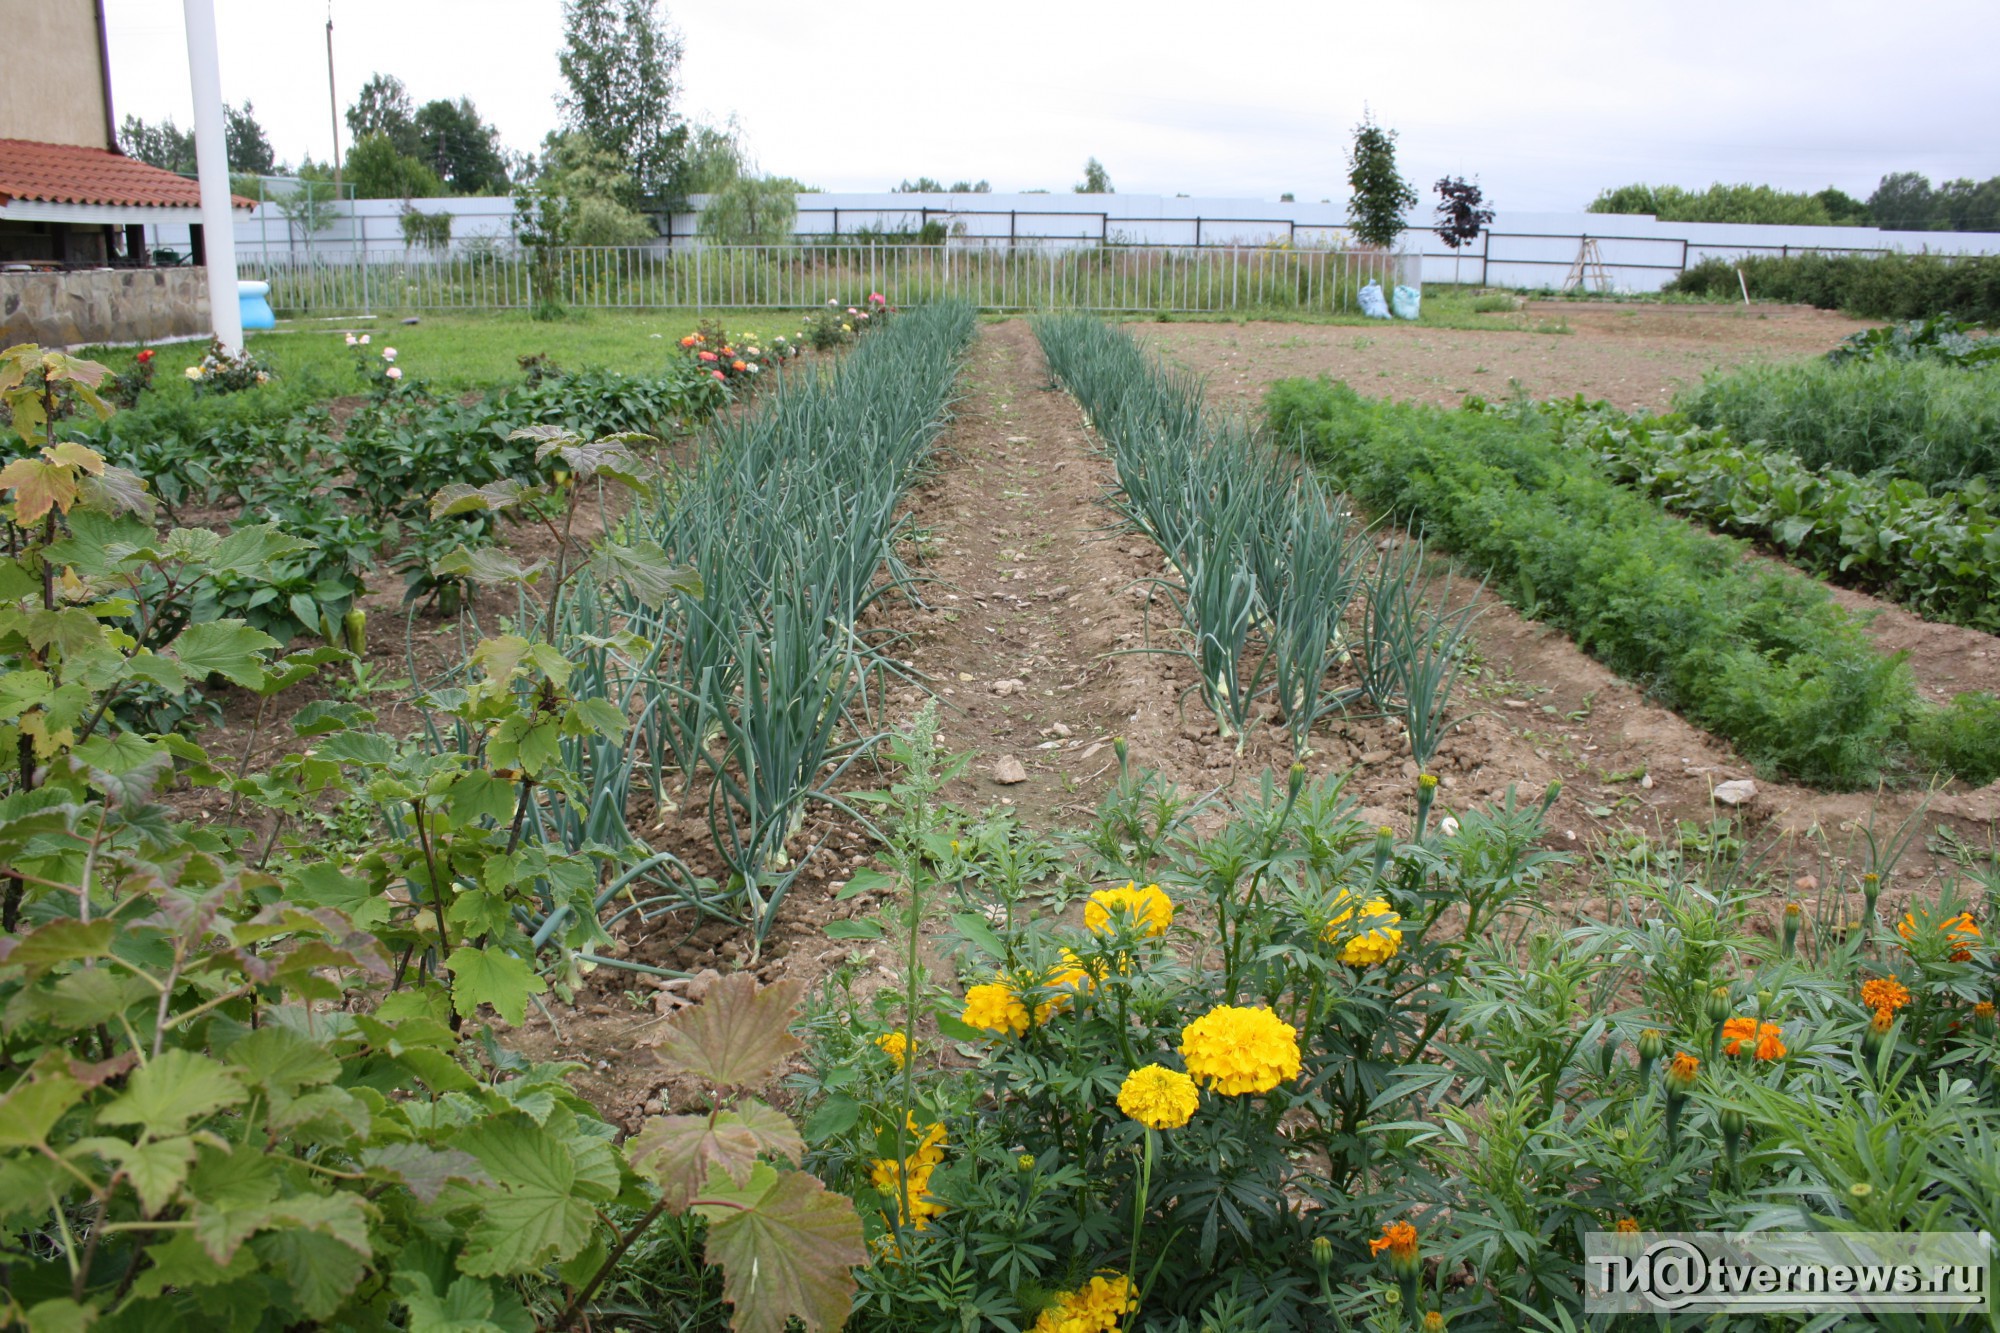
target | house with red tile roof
x=75, y=260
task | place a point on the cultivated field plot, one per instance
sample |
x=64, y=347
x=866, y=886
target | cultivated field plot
x=919, y=822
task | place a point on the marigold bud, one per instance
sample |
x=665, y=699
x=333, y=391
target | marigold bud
x=1295, y=780
x=1433, y=1322
x=1982, y=1018
x=1652, y=1045
x=1793, y=915
x=1718, y=1004
x=1322, y=1253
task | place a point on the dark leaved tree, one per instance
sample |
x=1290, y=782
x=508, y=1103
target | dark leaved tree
x=249, y=151
x=1375, y=213
x=165, y=145
x=1460, y=218
x=384, y=108
x=1096, y=180
x=463, y=150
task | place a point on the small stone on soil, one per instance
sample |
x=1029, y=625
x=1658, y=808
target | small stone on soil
x=1007, y=771
x=1741, y=791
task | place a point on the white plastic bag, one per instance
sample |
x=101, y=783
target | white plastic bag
x=1406, y=301
x=1372, y=304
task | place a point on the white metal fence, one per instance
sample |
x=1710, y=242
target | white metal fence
x=1108, y=279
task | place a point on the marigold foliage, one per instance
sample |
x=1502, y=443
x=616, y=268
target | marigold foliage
x=1158, y=1097
x=1234, y=1050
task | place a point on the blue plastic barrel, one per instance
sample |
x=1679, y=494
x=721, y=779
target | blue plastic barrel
x=256, y=310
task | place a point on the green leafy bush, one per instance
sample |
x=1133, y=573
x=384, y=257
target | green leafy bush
x=233, y=1087
x=1763, y=659
x=1953, y=342
x=1896, y=286
x=1921, y=418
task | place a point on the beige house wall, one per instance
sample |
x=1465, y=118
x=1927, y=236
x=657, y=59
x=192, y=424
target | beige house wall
x=51, y=78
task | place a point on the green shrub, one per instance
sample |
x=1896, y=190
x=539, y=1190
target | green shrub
x=1921, y=419
x=1762, y=659
x=1895, y=286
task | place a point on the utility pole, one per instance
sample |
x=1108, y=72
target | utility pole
x=212, y=157
x=332, y=101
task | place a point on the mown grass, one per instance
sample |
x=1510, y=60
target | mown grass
x=1933, y=423
x=451, y=352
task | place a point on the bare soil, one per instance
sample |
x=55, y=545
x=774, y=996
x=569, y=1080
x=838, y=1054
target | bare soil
x=1635, y=356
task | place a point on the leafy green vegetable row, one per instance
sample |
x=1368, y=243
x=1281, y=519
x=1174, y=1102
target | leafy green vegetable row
x=1937, y=554
x=1764, y=659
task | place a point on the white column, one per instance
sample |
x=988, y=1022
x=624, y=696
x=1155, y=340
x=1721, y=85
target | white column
x=211, y=150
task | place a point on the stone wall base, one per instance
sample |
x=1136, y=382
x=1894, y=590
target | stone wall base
x=103, y=305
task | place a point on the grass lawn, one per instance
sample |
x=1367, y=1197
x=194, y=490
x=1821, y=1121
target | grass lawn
x=455, y=352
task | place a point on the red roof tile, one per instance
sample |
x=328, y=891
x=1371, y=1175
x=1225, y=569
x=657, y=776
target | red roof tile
x=59, y=173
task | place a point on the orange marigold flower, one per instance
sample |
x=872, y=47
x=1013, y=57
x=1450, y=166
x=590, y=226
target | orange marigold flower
x=1681, y=1070
x=1884, y=1020
x=1984, y=1009
x=1628, y=1226
x=1884, y=993
x=1399, y=1239
x=1770, y=1045
x=1737, y=1031
x=1961, y=930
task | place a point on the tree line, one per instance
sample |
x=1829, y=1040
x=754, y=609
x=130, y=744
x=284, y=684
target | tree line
x=1901, y=201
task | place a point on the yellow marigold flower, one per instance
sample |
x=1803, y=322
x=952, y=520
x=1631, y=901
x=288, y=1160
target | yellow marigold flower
x=897, y=1044
x=1099, y=1306
x=910, y=1186
x=1433, y=1321
x=1984, y=1009
x=1075, y=975
x=1158, y=1097
x=1234, y=1050
x=1961, y=930
x=1884, y=993
x=1628, y=1226
x=1149, y=909
x=1372, y=925
x=996, y=1008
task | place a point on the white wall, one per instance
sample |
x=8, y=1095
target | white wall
x=1521, y=249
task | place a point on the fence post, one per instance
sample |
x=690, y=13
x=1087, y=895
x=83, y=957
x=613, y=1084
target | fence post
x=697, y=277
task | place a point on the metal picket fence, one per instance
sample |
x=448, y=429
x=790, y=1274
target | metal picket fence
x=1109, y=279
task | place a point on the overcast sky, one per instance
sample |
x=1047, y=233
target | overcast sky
x=1545, y=101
